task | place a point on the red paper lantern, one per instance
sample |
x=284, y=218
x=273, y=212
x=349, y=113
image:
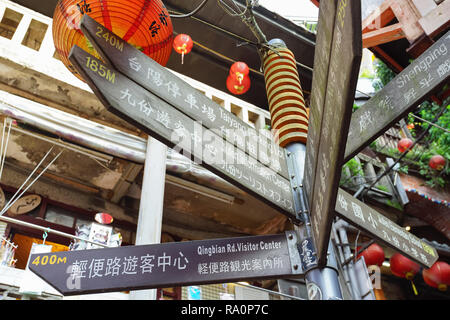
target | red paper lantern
x=239, y=70
x=404, y=144
x=437, y=162
x=438, y=276
x=235, y=88
x=403, y=267
x=143, y=23
x=183, y=44
x=373, y=255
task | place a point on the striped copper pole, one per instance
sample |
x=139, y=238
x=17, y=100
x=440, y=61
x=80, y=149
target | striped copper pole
x=289, y=116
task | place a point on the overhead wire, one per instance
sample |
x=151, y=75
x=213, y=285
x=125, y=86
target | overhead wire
x=190, y=14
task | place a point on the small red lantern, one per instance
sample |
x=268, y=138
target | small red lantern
x=437, y=162
x=403, y=267
x=404, y=144
x=235, y=88
x=438, y=276
x=183, y=45
x=239, y=70
x=373, y=255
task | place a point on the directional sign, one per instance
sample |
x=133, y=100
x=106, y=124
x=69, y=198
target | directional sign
x=135, y=104
x=400, y=96
x=164, y=84
x=325, y=149
x=364, y=217
x=169, y=264
x=324, y=39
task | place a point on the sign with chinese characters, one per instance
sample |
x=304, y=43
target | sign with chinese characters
x=135, y=104
x=167, y=264
x=25, y=204
x=164, y=84
x=400, y=96
x=367, y=219
x=332, y=103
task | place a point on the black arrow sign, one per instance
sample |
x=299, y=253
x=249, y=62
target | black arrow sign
x=332, y=101
x=400, y=96
x=179, y=94
x=135, y=104
x=168, y=264
x=385, y=230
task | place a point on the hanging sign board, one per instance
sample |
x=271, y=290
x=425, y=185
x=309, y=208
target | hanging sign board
x=165, y=123
x=164, y=84
x=365, y=218
x=333, y=104
x=400, y=96
x=25, y=205
x=168, y=264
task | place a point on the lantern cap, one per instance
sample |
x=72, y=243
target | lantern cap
x=277, y=43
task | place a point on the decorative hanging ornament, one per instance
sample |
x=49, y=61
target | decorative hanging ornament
x=145, y=24
x=103, y=218
x=183, y=45
x=404, y=144
x=437, y=162
x=373, y=255
x=438, y=276
x=404, y=268
x=239, y=70
x=237, y=88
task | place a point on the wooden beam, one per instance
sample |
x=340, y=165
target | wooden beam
x=424, y=6
x=383, y=35
x=316, y=3
x=379, y=18
x=397, y=68
x=408, y=15
x=436, y=20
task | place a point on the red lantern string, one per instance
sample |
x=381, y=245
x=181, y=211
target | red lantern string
x=373, y=255
x=404, y=268
x=235, y=88
x=183, y=45
x=437, y=162
x=404, y=144
x=438, y=276
x=239, y=70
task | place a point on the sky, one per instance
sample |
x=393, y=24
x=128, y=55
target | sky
x=302, y=8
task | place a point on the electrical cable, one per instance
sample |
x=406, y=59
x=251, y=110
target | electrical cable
x=190, y=14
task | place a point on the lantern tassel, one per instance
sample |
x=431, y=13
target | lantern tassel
x=414, y=288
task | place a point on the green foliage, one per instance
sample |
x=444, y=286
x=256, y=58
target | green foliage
x=355, y=169
x=382, y=188
x=437, y=141
x=384, y=75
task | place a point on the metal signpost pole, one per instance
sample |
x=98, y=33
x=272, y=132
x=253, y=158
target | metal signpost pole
x=322, y=282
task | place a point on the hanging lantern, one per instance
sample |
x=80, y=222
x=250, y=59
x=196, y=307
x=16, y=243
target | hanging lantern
x=239, y=70
x=403, y=267
x=183, y=45
x=145, y=24
x=438, y=276
x=437, y=162
x=404, y=144
x=373, y=255
x=235, y=88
